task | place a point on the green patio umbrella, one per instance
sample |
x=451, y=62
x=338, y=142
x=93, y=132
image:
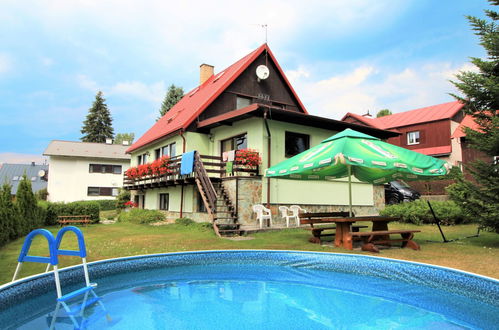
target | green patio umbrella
x=365, y=157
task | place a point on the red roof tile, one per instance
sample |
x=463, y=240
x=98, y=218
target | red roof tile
x=366, y=120
x=196, y=101
x=442, y=150
x=418, y=116
x=468, y=121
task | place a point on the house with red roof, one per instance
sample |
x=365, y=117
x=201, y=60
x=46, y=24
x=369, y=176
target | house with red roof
x=429, y=130
x=239, y=121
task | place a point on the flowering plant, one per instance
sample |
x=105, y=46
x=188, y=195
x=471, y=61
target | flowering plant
x=157, y=167
x=161, y=166
x=130, y=204
x=132, y=173
x=248, y=157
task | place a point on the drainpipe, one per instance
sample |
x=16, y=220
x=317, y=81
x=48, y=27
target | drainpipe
x=182, y=184
x=269, y=140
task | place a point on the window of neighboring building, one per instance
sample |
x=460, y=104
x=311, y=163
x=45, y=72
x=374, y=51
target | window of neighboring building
x=413, y=137
x=235, y=143
x=164, y=200
x=295, y=143
x=16, y=178
x=103, y=168
x=169, y=150
x=102, y=191
x=33, y=178
x=242, y=102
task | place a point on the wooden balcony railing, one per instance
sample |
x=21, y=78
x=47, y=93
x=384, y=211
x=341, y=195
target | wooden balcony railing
x=213, y=165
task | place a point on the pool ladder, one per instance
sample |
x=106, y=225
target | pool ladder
x=53, y=260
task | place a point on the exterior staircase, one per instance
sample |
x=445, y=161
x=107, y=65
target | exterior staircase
x=216, y=200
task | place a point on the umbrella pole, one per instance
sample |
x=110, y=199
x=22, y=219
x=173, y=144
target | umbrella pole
x=350, y=190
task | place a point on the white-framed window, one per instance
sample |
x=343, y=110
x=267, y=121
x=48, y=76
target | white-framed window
x=164, y=201
x=142, y=159
x=413, y=137
x=169, y=150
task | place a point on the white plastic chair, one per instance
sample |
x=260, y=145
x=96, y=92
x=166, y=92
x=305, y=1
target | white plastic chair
x=295, y=209
x=262, y=213
x=284, y=213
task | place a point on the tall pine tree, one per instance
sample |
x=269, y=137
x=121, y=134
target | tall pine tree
x=98, y=126
x=173, y=95
x=481, y=100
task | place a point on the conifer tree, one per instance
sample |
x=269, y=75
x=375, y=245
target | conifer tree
x=98, y=125
x=8, y=216
x=27, y=207
x=173, y=95
x=481, y=100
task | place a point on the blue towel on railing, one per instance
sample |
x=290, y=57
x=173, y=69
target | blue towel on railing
x=187, y=163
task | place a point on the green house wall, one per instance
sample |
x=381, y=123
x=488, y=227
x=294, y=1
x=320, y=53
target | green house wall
x=281, y=191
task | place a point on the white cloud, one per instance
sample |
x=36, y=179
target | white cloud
x=368, y=88
x=17, y=158
x=153, y=93
x=6, y=63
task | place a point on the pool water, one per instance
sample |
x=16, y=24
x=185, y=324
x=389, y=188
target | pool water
x=236, y=294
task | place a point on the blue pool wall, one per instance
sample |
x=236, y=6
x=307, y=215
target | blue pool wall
x=457, y=283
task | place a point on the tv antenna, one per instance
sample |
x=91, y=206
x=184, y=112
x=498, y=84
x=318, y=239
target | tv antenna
x=265, y=26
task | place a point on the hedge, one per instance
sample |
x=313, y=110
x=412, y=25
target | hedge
x=418, y=212
x=53, y=210
x=141, y=216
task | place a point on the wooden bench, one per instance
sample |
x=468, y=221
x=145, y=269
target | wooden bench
x=317, y=218
x=69, y=219
x=371, y=238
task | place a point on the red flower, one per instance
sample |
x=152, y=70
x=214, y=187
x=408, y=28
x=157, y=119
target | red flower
x=248, y=157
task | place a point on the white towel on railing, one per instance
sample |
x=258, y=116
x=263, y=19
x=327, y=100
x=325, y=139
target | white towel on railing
x=231, y=155
x=225, y=156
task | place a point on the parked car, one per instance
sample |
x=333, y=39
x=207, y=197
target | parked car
x=399, y=191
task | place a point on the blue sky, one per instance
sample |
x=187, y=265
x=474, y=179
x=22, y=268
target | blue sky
x=340, y=56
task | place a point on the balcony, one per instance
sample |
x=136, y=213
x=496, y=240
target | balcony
x=168, y=172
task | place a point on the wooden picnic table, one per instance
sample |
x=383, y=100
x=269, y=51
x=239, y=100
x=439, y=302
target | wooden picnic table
x=378, y=235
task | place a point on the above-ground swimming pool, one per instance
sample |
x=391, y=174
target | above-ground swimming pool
x=259, y=289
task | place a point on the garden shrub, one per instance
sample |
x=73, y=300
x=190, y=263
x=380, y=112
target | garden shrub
x=9, y=216
x=106, y=204
x=418, y=212
x=53, y=210
x=30, y=215
x=184, y=221
x=123, y=197
x=141, y=216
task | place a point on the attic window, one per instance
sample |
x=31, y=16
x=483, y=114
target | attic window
x=194, y=92
x=33, y=178
x=16, y=178
x=218, y=76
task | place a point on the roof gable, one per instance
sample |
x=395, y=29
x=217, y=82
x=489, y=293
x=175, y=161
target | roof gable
x=197, y=100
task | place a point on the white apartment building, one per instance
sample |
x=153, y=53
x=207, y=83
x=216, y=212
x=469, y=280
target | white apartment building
x=85, y=171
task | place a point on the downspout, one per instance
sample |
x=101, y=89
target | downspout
x=269, y=140
x=182, y=184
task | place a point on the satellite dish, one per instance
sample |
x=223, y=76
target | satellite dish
x=262, y=72
x=41, y=173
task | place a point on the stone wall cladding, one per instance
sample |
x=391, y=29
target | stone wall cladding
x=249, y=193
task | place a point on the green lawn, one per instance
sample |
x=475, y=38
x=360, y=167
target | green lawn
x=478, y=255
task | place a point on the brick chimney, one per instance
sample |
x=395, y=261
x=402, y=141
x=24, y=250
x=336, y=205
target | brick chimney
x=205, y=72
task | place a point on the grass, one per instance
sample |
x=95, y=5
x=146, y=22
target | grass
x=478, y=255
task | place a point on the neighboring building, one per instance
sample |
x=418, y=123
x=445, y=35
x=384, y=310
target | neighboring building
x=250, y=104
x=13, y=173
x=427, y=130
x=85, y=171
